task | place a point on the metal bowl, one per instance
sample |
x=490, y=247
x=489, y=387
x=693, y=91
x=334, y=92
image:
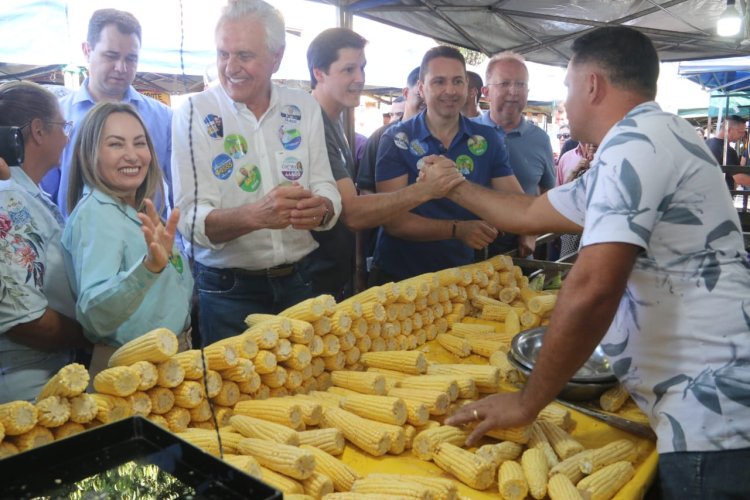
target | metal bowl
x=525, y=348
x=573, y=391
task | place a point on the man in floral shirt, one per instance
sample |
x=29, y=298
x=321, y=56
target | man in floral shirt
x=661, y=280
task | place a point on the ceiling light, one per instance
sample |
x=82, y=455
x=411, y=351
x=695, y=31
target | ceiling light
x=729, y=22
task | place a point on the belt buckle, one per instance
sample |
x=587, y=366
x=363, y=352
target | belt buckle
x=280, y=271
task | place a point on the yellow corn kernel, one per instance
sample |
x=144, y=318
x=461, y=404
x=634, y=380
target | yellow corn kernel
x=530, y=320
x=317, y=485
x=486, y=378
x=119, y=381
x=467, y=467
x=67, y=429
x=310, y=409
x=264, y=362
x=571, y=466
x=223, y=414
x=363, y=382
x=455, y=345
x=302, y=331
x=177, y=419
x=147, y=374
x=310, y=310
x=191, y=363
x=498, y=453
x=111, y=408
x=83, y=408
x=351, y=495
x=538, y=440
x=240, y=373
x=37, y=436
x=335, y=362
x=535, y=469
x=221, y=356
x=559, y=487
x=7, y=449
x=188, y=394
x=264, y=335
x=352, y=357
x=372, y=437
x=562, y=442
x=263, y=429
x=426, y=442
x=299, y=358
x=289, y=460
x=246, y=464
x=162, y=400
x=52, y=411
x=512, y=323
x=155, y=346
x=439, y=487
x=341, y=322
x=324, y=381
x=281, y=482
x=518, y=435
x=604, y=483
x=171, y=373
x=200, y=413
x=448, y=384
x=330, y=440
x=252, y=385
x=331, y=345
x=511, y=481
x=204, y=439
x=140, y=403
x=228, y=395
x=275, y=379
x=437, y=402
x=342, y=475
x=403, y=487
x=18, y=417
x=281, y=411
x=322, y=326
x=70, y=381
x=613, y=399
x=542, y=304
x=616, y=451
x=404, y=361
x=384, y=409
x=159, y=420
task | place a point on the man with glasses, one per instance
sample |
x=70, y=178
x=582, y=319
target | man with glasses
x=111, y=50
x=529, y=148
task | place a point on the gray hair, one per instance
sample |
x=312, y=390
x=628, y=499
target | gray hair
x=23, y=102
x=270, y=17
x=84, y=163
x=502, y=56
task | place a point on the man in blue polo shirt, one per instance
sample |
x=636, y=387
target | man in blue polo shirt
x=437, y=234
x=112, y=45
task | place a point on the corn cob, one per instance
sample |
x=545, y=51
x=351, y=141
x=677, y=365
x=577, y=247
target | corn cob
x=322, y=326
x=363, y=382
x=341, y=475
x=119, y=381
x=403, y=487
x=52, y=411
x=613, y=399
x=67, y=429
x=529, y=320
x=562, y=442
x=223, y=414
x=330, y=440
x=281, y=411
x=511, y=481
x=200, y=413
x=83, y=408
x=335, y=362
x=436, y=401
x=328, y=398
x=373, y=330
x=299, y=358
x=264, y=335
x=442, y=383
x=33, y=438
x=221, y=356
x=350, y=495
x=191, y=363
x=384, y=409
x=162, y=400
x=370, y=436
x=456, y=345
x=317, y=485
x=316, y=346
x=308, y=310
x=251, y=385
x=341, y=322
x=111, y=408
x=171, y=373
x=467, y=467
x=302, y=331
x=426, y=442
x=331, y=345
x=557, y=415
x=378, y=345
x=255, y=318
x=290, y=460
x=535, y=469
x=329, y=303
x=18, y=417
x=293, y=380
x=188, y=394
x=308, y=385
x=70, y=381
x=283, y=483
x=512, y=322
x=571, y=466
x=538, y=440
x=7, y=449
x=140, y=403
x=160, y=420
x=311, y=410
x=347, y=341
x=499, y=452
x=155, y=346
x=442, y=488
x=542, y=304
x=518, y=435
x=469, y=330
x=204, y=439
x=487, y=378
x=417, y=414
x=147, y=374
x=352, y=357
x=177, y=419
x=494, y=312
x=604, y=483
x=616, y=451
x=404, y=361
x=441, y=324
x=245, y=463
x=508, y=373
x=242, y=372
x=559, y=487
x=324, y=381
x=263, y=429
x=264, y=362
x=228, y=395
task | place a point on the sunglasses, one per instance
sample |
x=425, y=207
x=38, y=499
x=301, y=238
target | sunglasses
x=563, y=136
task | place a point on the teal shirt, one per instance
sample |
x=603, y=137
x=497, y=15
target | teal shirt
x=117, y=298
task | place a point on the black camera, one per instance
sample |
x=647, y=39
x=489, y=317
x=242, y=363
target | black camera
x=11, y=145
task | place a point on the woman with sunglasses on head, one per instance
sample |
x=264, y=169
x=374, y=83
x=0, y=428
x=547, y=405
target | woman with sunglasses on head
x=37, y=329
x=127, y=274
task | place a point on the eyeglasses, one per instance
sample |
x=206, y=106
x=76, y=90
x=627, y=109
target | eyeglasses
x=66, y=126
x=506, y=84
x=563, y=136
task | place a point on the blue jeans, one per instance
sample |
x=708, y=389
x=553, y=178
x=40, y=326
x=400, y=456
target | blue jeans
x=226, y=297
x=714, y=475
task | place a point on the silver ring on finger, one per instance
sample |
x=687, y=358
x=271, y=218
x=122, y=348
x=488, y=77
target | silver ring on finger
x=476, y=415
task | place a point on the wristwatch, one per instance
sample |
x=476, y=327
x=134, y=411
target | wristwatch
x=326, y=217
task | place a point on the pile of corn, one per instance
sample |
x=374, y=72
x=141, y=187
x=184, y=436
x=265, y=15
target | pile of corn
x=311, y=360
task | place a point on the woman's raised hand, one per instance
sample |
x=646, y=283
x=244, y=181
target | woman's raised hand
x=159, y=238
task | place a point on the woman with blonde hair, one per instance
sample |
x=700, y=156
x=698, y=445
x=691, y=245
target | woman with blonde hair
x=38, y=331
x=127, y=274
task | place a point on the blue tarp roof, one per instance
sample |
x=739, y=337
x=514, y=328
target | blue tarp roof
x=726, y=75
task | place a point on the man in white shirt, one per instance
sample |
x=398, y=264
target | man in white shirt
x=251, y=176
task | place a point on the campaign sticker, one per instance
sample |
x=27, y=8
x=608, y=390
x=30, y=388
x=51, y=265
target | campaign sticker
x=291, y=168
x=291, y=113
x=176, y=260
x=235, y=146
x=420, y=163
x=465, y=164
x=222, y=166
x=290, y=137
x=477, y=145
x=418, y=148
x=401, y=140
x=214, y=126
x=248, y=178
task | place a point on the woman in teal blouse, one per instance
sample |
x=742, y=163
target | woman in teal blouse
x=127, y=274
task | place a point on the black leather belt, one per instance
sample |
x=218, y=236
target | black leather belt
x=271, y=272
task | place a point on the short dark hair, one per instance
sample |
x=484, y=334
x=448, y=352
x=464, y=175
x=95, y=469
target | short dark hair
x=125, y=21
x=413, y=77
x=626, y=55
x=737, y=119
x=475, y=82
x=324, y=49
x=440, y=51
